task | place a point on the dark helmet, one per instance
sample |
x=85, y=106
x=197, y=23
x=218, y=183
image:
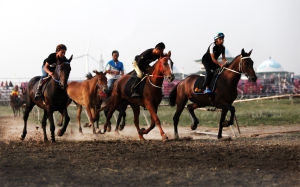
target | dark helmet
x=219, y=35
x=160, y=45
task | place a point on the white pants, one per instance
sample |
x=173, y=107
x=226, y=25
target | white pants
x=137, y=69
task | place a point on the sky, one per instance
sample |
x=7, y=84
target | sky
x=31, y=29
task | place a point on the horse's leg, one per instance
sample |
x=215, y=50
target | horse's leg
x=146, y=131
x=25, y=118
x=88, y=110
x=223, y=115
x=154, y=116
x=44, y=123
x=79, y=109
x=61, y=120
x=108, y=113
x=136, y=112
x=61, y=131
x=232, y=113
x=195, y=121
x=97, y=117
x=179, y=109
x=124, y=120
x=119, y=120
x=52, y=126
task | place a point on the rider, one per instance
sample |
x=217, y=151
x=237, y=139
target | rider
x=15, y=92
x=210, y=60
x=49, y=65
x=113, y=70
x=142, y=61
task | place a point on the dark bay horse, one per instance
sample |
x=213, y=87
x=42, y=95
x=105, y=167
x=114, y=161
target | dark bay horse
x=54, y=98
x=15, y=103
x=223, y=96
x=90, y=93
x=152, y=95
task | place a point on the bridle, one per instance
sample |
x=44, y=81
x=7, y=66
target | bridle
x=58, y=73
x=161, y=70
x=101, y=89
x=240, y=66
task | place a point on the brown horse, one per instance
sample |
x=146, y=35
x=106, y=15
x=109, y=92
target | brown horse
x=223, y=96
x=54, y=98
x=90, y=94
x=152, y=95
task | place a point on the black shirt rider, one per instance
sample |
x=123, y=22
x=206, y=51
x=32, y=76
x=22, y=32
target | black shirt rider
x=216, y=50
x=52, y=61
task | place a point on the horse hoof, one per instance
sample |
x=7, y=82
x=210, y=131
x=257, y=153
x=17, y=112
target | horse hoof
x=121, y=127
x=141, y=131
x=219, y=137
x=176, y=137
x=108, y=129
x=22, y=138
x=53, y=141
x=164, y=137
x=59, y=124
x=193, y=127
x=60, y=132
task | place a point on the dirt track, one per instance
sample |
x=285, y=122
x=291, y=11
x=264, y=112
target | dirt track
x=122, y=160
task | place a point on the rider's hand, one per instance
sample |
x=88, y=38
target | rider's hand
x=51, y=74
x=221, y=65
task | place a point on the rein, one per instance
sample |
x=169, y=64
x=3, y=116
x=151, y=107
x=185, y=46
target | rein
x=240, y=67
x=57, y=71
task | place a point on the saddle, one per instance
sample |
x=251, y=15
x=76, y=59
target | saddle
x=212, y=85
x=45, y=82
x=139, y=87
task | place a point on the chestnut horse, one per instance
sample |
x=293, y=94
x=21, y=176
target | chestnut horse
x=90, y=94
x=152, y=95
x=54, y=98
x=224, y=95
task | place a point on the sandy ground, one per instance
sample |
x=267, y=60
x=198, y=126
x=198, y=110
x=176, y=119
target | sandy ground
x=270, y=159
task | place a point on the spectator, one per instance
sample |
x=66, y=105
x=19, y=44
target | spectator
x=11, y=84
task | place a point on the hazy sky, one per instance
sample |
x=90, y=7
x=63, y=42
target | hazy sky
x=31, y=29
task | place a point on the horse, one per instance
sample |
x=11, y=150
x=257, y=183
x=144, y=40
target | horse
x=54, y=98
x=223, y=96
x=90, y=93
x=152, y=96
x=121, y=109
x=15, y=104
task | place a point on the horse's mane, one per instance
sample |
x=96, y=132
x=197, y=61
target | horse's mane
x=89, y=76
x=228, y=64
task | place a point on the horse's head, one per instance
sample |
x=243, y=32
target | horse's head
x=246, y=66
x=164, y=68
x=101, y=82
x=63, y=71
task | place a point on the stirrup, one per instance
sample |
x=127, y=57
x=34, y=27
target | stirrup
x=207, y=90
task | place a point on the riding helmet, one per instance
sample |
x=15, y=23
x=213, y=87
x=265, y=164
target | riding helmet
x=219, y=35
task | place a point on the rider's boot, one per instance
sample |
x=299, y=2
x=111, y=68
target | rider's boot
x=38, y=93
x=134, y=91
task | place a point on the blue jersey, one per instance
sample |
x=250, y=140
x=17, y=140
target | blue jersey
x=113, y=66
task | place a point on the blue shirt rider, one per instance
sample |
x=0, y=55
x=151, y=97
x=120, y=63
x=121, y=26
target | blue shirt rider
x=114, y=69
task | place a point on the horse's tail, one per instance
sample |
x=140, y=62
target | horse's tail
x=172, y=96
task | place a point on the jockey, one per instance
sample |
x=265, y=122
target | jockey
x=114, y=68
x=142, y=61
x=210, y=60
x=15, y=92
x=49, y=65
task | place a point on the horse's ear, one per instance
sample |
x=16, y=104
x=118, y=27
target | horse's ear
x=70, y=59
x=243, y=53
x=169, y=53
x=250, y=52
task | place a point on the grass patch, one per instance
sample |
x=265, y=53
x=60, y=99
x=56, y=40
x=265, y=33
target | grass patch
x=253, y=113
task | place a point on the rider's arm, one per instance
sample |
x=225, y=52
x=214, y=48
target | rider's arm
x=122, y=72
x=214, y=60
x=46, y=68
x=224, y=58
